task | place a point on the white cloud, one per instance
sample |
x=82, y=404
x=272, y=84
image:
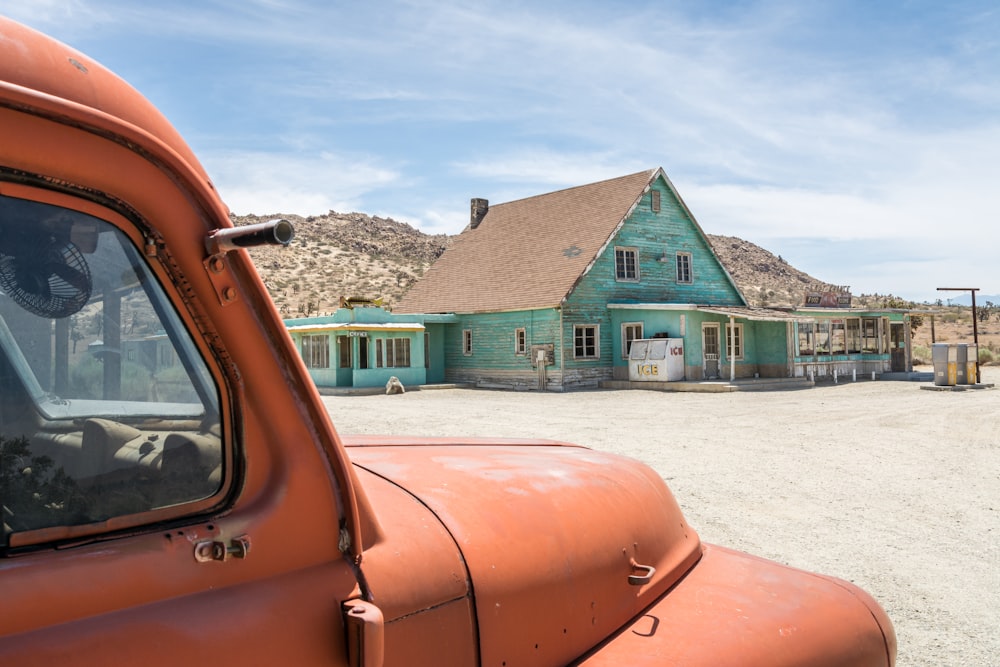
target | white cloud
x=545, y=167
x=77, y=15
x=306, y=184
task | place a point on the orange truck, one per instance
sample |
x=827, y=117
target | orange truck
x=174, y=491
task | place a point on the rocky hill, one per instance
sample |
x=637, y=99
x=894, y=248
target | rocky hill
x=764, y=278
x=342, y=255
x=356, y=255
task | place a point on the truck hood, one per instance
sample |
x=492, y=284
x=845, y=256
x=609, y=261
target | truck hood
x=563, y=545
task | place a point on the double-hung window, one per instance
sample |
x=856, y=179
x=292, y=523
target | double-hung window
x=585, y=341
x=520, y=342
x=626, y=264
x=734, y=340
x=684, y=267
x=630, y=331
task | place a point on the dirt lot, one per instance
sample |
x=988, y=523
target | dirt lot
x=881, y=483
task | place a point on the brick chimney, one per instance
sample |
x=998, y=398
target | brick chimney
x=480, y=207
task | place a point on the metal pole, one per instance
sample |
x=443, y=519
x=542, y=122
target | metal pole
x=975, y=333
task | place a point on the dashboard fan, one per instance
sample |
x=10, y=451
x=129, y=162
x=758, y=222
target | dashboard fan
x=53, y=281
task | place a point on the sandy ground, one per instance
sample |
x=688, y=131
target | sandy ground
x=881, y=483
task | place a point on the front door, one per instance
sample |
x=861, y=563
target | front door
x=897, y=347
x=710, y=347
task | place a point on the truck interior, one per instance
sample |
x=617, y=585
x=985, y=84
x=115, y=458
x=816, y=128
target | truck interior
x=108, y=411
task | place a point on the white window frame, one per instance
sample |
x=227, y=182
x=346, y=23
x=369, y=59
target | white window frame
x=316, y=350
x=636, y=329
x=623, y=274
x=520, y=341
x=684, y=268
x=397, y=352
x=467, y=342
x=595, y=341
x=737, y=351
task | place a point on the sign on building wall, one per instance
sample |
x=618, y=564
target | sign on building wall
x=828, y=296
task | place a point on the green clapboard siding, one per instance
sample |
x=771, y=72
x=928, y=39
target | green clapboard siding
x=657, y=237
x=493, y=340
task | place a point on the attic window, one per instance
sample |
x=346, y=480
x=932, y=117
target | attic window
x=654, y=201
x=684, y=267
x=626, y=264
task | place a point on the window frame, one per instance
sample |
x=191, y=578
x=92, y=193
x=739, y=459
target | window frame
x=627, y=264
x=853, y=330
x=871, y=331
x=805, y=333
x=520, y=341
x=182, y=347
x=467, y=342
x=627, y=339
x=683, y=268
x=823, y=338
x=736, y=349
x=396, y=348
x=654, y=201
x=586, y=346
x=311, y=350
x=838, y=337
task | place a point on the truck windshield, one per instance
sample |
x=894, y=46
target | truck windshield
x=106, y=408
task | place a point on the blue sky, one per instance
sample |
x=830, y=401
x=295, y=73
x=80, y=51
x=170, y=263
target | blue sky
x=859, y=140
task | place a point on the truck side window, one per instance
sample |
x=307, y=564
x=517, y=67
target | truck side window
x=107, y=410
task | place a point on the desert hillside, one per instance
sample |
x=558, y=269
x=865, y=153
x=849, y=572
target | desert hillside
x=342, y=255
x=356, y=255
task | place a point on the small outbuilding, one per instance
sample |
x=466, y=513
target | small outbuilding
x=362, y=345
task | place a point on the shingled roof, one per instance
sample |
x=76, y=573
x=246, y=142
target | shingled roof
x=529, y=253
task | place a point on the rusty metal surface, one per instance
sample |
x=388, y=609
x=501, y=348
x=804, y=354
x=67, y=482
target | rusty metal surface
x=549, y=535
x=735, y=609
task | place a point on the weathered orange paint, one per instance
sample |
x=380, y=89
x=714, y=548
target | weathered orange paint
x=494, y=552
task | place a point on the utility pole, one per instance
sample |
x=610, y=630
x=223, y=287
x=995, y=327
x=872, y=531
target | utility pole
x=975, y=320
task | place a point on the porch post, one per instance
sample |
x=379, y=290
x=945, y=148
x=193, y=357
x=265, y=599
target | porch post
x=732, y=348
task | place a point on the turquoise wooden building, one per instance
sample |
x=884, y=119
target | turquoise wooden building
x=363, y=346
x=551, y=290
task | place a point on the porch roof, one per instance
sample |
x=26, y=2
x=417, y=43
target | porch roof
x=358, y=326
x=756, y=314
x=753, y=313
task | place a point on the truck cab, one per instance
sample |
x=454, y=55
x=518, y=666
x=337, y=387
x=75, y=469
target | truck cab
x=173, y=489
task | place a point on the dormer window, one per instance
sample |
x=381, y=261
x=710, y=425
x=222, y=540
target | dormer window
x=626, y=264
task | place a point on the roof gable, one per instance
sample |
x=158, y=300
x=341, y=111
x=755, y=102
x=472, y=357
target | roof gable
x=529, y=253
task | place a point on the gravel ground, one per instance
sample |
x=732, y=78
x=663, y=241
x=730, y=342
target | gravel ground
x=881, y=483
